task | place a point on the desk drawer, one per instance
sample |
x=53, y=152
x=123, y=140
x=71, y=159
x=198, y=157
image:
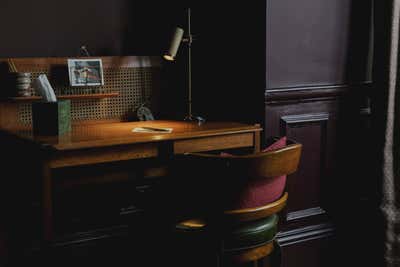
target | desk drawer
x=104, y=154
x=92, y=207
x=214, y=143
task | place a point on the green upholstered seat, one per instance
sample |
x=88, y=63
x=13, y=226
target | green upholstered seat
x=250, y=234
x=238, y=236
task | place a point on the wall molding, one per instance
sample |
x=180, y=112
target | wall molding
x=304, y=234
x=290, y=119
x=288, y=122
x=301, y=214
x=312, y=92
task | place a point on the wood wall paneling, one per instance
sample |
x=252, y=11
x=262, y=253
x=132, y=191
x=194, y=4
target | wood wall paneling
x=311, y=131
x=311, y=124
x=308, y=247
x=327, y=121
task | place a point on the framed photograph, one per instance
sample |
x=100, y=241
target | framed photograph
x=85, y=72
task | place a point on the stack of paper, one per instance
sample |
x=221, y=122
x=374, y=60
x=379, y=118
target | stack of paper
x=152, y=130
x=44, y=89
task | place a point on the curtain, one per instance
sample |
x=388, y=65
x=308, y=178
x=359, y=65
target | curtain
x=386, y=116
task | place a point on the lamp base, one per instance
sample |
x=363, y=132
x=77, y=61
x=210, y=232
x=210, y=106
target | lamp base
x=197, y=119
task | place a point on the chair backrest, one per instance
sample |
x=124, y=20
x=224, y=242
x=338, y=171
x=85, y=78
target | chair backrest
x=273, y=163
x=236, y=171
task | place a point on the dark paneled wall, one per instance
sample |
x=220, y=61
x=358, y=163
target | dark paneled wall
x=318, y=62
x=317, y=42
x=58, y=28
x=230, y=61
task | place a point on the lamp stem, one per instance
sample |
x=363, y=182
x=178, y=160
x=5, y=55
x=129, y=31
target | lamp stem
x=189, y=64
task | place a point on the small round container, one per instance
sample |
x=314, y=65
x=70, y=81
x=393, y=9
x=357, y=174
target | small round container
x=22, y=83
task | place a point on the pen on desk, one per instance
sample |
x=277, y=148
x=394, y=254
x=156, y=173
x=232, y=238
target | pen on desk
x=155, y=129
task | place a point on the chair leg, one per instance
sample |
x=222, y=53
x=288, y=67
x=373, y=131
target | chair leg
x=220, y=254
x=276, y=259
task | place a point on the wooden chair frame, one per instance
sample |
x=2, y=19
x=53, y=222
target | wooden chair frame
x=283, y=161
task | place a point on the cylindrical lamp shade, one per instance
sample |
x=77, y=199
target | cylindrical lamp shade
x=174, y=46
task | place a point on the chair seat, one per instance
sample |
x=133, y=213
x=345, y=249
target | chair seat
x=250, y=234
x=238, y=236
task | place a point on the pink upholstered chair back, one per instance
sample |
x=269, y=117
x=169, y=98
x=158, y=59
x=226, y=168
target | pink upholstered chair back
x=254, y=180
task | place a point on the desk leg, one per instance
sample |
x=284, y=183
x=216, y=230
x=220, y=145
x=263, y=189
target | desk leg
x=257, y=142
x=47, y=203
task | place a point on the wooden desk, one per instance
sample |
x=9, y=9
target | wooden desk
x=110, y=142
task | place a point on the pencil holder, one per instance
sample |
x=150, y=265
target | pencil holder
x=51, y=118
x=21, y=82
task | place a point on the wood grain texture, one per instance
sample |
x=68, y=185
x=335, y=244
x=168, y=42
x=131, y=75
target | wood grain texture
x=34, y=64
x=9, y=115
x=47, y=202
x=102, y=155
x=78, y=97
x=110, y=134
x=252, y=254
x=91, y=144
x=273, y=163
x=312, y=123
x=214, y=143
x=257, y=142
x=258, y=212
x=261, y=165
x=249, y=214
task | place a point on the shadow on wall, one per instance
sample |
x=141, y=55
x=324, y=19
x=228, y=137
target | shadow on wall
x=228, y=69
x=60, y=28
x=147, y=31
x=224, y=85
x=358, y=159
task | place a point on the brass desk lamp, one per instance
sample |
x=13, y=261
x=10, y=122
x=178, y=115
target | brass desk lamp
x=170, y=55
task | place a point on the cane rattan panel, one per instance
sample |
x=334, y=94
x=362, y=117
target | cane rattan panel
x=133, y=78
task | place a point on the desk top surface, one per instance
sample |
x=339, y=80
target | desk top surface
x=120, y=133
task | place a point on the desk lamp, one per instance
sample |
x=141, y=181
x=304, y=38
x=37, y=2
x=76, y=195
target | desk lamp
x=170, y=55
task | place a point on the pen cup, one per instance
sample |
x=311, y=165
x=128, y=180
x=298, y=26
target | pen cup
x=22, y=83
x=51, y=118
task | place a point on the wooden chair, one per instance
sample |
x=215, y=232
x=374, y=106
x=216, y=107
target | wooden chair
x=242, y=234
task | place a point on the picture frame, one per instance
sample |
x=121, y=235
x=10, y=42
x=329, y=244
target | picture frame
x=85, y=72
